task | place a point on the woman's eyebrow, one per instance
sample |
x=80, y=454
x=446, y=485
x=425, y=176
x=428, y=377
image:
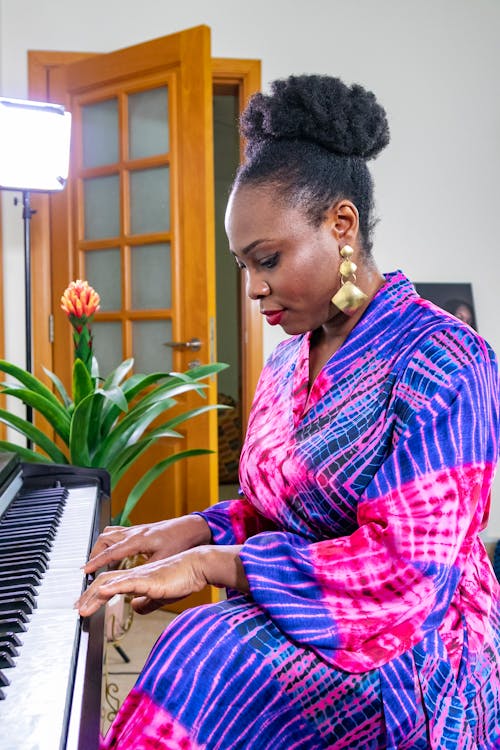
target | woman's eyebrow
x=246, y=250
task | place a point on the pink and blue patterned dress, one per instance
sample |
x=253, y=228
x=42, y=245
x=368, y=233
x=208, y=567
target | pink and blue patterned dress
x=374, y=615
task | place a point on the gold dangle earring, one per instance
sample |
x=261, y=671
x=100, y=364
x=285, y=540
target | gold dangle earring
x=349, y=297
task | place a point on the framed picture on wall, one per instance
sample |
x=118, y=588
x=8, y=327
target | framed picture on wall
x=454, y=298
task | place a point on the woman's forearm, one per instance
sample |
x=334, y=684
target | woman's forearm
x=222, y=566
x=194, y=530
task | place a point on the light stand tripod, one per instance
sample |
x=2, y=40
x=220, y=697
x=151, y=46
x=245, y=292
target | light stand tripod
x=28, y=213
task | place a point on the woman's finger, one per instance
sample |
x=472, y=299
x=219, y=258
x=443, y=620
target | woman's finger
x=106, y=585
x=94, y=597
x=165, y=580
x=108, y=536
x=114, y=548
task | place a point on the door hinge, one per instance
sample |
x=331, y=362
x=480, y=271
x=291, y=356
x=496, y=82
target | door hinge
x=51, y=329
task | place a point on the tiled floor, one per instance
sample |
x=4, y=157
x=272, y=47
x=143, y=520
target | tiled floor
x=120, y=676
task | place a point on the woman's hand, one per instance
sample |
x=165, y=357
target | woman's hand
x=157, y=583
x=152, y=540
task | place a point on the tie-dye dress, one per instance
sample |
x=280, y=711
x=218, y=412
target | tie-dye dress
x=373, y=619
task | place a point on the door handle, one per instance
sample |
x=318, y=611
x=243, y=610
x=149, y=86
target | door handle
x=193, y=345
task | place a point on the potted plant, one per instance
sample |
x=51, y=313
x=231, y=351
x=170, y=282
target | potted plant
x=105, y=422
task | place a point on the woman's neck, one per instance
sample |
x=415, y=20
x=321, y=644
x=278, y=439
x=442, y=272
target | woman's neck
x=328, y=339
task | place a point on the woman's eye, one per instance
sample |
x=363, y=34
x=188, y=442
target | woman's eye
x=239, y=266
x=269, y=262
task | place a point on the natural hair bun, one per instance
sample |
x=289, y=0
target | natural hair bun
x=346, y=120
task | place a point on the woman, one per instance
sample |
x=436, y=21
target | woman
x=362, y=609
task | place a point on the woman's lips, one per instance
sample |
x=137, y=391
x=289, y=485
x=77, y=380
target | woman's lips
x=273, y=317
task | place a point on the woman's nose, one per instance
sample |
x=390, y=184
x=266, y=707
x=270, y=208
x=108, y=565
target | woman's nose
x=257, y=288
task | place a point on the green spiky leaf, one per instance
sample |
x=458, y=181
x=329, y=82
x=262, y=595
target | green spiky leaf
x=59, y=386
x=24, y=453
x=56, y=416
x=34, y=434
x=83, y=385
x=149, y=477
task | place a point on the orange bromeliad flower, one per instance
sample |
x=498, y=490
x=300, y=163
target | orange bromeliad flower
x=80, y=300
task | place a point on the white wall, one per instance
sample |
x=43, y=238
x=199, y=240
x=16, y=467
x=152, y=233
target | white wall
x=432, y=63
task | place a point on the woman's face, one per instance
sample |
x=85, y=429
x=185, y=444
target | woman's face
x=291, y=267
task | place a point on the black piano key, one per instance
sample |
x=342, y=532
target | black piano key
x=39, y=492
x=29, y=519
x=30, y=579
x=45, y=497
x=13, y=622
x=6, y=660
x=11, y=638
x=27, y=535
x=31, y=522
x=4, y=681
x=13, y=536
x=13, y=615
x=31, y=516
x=46, y=513
x=22, y=567
x=27, y=514
x=34, y=503
x=19, y=596
x=39, y=500
x=33, y=548
x=8, y=647
x=25, y=556
x=17, y=589
x=25, y=511
x=21, y=604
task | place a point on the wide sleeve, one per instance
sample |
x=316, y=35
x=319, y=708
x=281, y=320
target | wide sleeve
x=363, y=599
x=234, y=521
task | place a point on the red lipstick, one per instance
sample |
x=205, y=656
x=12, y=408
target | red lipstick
x=273, y=317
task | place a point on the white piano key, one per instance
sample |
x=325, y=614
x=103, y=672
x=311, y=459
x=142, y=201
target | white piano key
x=35, y=709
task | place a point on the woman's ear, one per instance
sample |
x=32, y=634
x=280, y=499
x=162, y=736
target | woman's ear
x=343, y=221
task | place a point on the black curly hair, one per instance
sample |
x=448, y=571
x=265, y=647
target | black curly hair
x=310, y=139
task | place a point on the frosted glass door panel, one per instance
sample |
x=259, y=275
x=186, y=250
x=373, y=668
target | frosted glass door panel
x=151, y=277
x=149, y=350
x=103, y=272
x=107, y=346
x=150, y=200
x=148, y=123
x=102, y=207
x=100, y=133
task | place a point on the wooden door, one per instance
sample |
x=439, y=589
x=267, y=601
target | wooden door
x=106, y=84
x=143, y=201
x=135, y=203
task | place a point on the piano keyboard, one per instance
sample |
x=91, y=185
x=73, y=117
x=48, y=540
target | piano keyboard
x=45, y=535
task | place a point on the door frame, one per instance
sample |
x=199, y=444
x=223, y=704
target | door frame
x=243, y=73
